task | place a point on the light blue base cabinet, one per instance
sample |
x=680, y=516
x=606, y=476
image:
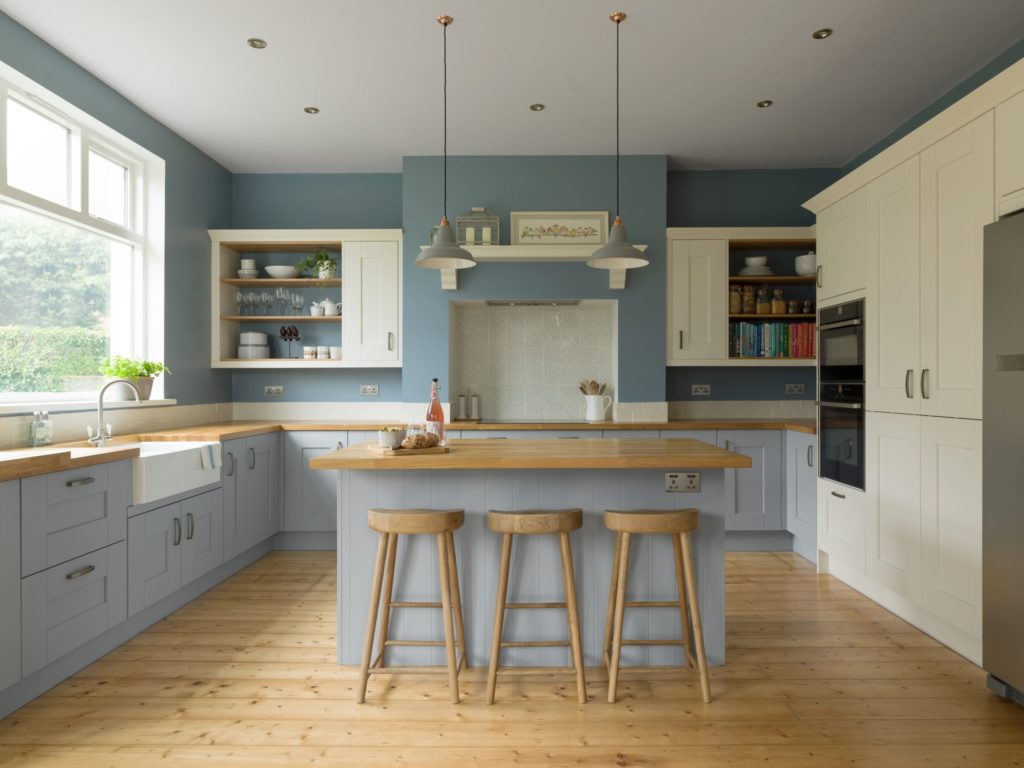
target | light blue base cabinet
x=10, y=583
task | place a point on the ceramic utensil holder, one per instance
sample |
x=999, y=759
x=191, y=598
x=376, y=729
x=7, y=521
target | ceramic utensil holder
x=597, y=407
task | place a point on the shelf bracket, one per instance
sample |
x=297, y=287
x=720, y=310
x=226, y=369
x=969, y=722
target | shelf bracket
x=616, y=279
x=449, y=280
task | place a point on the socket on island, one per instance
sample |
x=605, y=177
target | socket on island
x=682, y=482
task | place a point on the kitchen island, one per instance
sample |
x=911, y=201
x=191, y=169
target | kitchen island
x=478, y=475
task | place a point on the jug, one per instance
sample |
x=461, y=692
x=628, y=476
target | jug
x=330, y=308
x=597, y=407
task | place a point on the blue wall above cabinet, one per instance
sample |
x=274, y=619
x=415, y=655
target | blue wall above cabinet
x=317, y=201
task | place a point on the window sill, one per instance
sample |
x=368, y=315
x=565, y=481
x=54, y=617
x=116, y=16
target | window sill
x=76, y=406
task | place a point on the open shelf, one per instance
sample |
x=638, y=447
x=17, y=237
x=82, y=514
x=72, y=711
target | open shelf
x=774, y=279
x=773, y=244
x=747, y=362
x=291, y=282
x=787, y=316
x=281, y=318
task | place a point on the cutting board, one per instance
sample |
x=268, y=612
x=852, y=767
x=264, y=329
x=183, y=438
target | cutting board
x=382, y=451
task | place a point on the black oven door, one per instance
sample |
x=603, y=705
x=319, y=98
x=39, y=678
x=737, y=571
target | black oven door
x=841, y=440
x=841, y=343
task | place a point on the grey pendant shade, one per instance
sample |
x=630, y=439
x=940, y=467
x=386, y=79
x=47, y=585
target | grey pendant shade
x=618, y=252
x=444, y=252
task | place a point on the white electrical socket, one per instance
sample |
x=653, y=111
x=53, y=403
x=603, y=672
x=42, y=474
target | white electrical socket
x=682, y=482
x=273, y=390
x=794, y=389
x=368, y=390
x=700, y=389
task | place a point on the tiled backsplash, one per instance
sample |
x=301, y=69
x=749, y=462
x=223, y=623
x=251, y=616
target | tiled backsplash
x=526, y=362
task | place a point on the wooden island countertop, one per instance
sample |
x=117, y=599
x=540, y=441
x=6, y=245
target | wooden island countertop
x=544, y=454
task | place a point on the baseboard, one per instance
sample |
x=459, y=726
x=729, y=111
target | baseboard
x=758, y=541
x=306, y=540
x=39, y=682
x=807, y=549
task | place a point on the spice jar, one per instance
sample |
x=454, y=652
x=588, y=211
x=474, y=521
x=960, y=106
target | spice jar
x=808, y=306
x=778, y=302
x=735, y=300
x=764, y=304
x=793, y=308
x=749, y=302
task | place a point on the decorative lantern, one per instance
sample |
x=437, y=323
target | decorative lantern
x=478, y=227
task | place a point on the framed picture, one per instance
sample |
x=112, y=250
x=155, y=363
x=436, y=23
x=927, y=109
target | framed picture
x=559, y=227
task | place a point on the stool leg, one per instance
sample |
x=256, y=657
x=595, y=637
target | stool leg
x=620, y=609
x=573, y=616
x=371, y=619
x=698, y=631
x=499, y=615
x=389, y=585
x=684, y=620
x=446, y=607
x=612, y=586
x=453, y=578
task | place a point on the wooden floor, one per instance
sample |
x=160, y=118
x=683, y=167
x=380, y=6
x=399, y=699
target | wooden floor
x=245, y=676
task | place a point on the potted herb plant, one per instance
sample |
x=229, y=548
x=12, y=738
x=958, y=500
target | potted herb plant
x=140, y=372
x=320, y=264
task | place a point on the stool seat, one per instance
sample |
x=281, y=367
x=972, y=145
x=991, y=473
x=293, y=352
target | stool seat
x=412, y=521
x=652, y=520
x=535, y=521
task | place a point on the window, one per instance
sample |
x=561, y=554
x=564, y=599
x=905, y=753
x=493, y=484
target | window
x=78, y=247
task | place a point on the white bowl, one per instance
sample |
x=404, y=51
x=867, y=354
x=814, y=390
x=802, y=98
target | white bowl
x=756, y=261
x=282, y=272
x=805, y=264
x=390, y=439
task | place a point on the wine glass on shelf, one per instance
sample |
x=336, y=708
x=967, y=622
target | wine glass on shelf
x=297, y=303
x=266, y=302
x=238, y=301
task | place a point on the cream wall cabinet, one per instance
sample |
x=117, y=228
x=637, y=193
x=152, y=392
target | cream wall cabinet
x=842, y=230
x=371, y=294
x=698, y=283
x=1010, y=155
x=10, y=583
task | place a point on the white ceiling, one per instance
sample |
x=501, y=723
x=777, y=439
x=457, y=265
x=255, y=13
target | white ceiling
x=692, y=71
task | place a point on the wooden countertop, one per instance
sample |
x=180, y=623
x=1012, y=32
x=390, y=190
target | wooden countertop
x=609, y=453
x=41, y=461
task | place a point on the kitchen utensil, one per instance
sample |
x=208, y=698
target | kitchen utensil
x=309, y=353
x=806, y=264
x=252, y=338
x=474, y=407
x=597, y=407
x=323, y=353
x=253, y=352
x=755, y=261
x=390, y=438
x=330, y=308
x=756, y=271
x=282, y=272
x=247, y=264
x=335, y=353
x=248, y=274
x=316, y=310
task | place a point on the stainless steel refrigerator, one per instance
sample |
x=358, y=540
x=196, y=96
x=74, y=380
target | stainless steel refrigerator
x=1003, y=459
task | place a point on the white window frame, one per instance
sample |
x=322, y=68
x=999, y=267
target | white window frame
x=144, y=229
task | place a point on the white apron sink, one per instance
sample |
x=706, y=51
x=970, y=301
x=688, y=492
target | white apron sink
x=163, y=469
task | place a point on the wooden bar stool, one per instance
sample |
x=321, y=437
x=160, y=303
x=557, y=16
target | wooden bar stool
x=678, y=523
x=532, y=522
x=392, y=523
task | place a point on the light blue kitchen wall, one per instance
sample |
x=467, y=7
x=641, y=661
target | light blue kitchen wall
x=317, y=200
x=198, y=197
x=504, y=184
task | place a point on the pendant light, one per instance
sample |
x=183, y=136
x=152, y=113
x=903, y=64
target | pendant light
x=618, y=253
x=444, y=252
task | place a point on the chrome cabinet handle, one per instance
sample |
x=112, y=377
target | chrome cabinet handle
x=817, y=277
x=230, y=463
x=845, y=406
x=80, y=482
x=391, y=341
x=926, y=384
x=841, y=324
x=191, y=526
x=810, y=455
x=908, y=384
x=80, y=572
x=728, y=445
x=680, y=339
x=177, y=531
x=252, y=458
x=839, y=495
x=849, y=449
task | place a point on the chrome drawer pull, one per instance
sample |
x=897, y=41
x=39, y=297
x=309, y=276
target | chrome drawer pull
x=810, y=455
x=252, y=458
x=839, y=495
x=391, y=341
x=80, y=482
x=80, y=572
x=191, y=526
x=177, y=531
x=908, y=384
x=926, y=384
x=230, y=464
x=817, y=277
x=680, y=339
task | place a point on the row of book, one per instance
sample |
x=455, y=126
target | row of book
x=771, y=340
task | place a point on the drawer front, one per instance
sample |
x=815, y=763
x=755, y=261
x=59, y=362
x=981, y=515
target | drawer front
x=68, y=605
x=66, y=514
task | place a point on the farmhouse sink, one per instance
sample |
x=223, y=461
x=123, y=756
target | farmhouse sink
x=164, y=469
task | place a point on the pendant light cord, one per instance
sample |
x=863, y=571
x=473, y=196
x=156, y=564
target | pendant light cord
x=444, y=60
x=618, y=160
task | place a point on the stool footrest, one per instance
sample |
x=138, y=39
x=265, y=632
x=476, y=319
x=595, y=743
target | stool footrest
x=406, y=604
x=510, y=606
x=536, y=644
x=415, y=643
x=653, y=604
x=653, y=642
x=407, y=671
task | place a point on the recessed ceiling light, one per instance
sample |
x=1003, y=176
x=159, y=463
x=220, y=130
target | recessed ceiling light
x=764, y=104
x=311, y=110
x=257, y=43
x=822, y=33
x=537, y=107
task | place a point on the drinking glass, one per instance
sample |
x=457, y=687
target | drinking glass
x=238, y=301
x=266, y=302
x=297, y=303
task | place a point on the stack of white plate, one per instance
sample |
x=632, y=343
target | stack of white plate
x=253, y=338
x=248, y=274
x=252, y=345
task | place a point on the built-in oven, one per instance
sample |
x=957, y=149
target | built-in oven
x=841, y=393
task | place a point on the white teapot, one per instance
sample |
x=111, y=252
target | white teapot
x=330, y=308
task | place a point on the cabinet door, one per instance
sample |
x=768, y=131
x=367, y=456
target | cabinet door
x=698, y=300
x=261, y=480
x=956, y=203
x=841, y=512
x=202, y=548
x=893, y=480
x=951, y=521
x=754, y=496
x=1010, y=155
x=10, y=583
x=841, y=230
x=370, y=292
x=801, y=486
x=154, y=556
x=310, y=495
x=236, y=522
x=892, y=343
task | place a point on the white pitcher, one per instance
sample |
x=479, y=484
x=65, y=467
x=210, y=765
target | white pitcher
x=330, y=308
x=597, y=407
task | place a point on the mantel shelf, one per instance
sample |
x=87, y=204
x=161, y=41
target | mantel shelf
x=536, y=254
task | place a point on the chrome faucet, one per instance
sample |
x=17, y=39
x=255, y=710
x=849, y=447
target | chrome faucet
x=100, y=438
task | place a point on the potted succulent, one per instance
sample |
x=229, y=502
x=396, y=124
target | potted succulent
x=140, y=372
x=320, y=264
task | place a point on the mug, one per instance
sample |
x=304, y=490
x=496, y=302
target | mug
x=316, y=310
x=335, y=353
x=597, y=407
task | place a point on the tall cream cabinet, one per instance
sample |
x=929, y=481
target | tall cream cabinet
x=1010, y=155
x=698, y=277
